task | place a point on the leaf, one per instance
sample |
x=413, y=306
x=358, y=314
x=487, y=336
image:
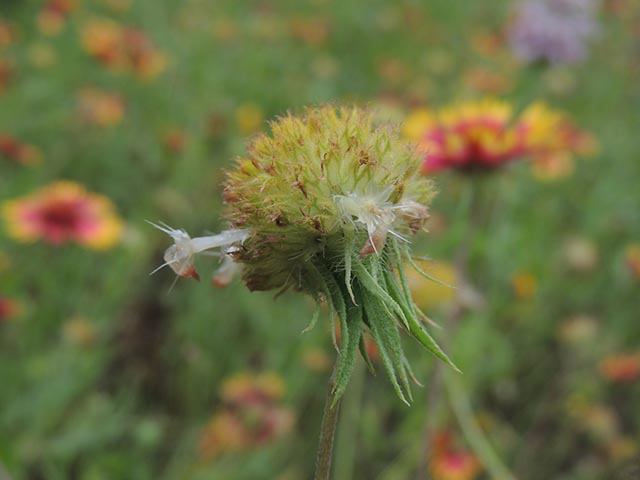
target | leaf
x=425, y=274
x=313, y=322
x=388, y=343
x=370, y=284
x=347, y=359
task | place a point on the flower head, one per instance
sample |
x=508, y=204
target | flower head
x=623, y=367
x=448, y=463
x=16, y=151
x=99, y=107
x=122, y=48
x=9, y=308
x=556, y=31
x=251, y=415
x=63, y=212
x=326, y=204
x=486, y=134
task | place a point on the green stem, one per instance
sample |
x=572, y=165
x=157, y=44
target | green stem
x=473, y=434
x=327, y=431
x=347, y=437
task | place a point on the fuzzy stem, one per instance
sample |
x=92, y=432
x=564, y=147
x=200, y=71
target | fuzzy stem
x=348, y=434
x=327, y=431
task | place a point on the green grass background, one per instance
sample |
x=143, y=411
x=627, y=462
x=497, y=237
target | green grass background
x=132, y=405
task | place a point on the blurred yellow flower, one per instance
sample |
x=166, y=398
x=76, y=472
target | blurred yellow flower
x=63, y=212
x=7, y=34
x=578, y=330
x=249, y=118
x=427, y=294
x=316, y=359
x=122, y=48
x=581, y=254
x=42, y=55
x=632, y=258
x=247, y=387
x=250, y=417
x=553, y=166
x=79, y=331
x=524, y=285
x=100, y=107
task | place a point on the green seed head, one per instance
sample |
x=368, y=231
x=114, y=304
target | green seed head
x=327, y=204
x=318, y=185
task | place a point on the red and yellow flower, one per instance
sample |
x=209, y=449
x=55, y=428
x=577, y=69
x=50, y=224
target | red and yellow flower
x=486, y=134
x=16, y=151
x=250, y=417
x=448, y=463
x=100, y=107
x=622, y=367
x=9, y=308
x=52, y=16
x=122, y=48
x=63, y=212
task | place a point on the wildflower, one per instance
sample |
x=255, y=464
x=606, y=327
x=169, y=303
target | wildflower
x=486, y=134
x=316, y=359
x=524, y=285
x=16, y=151
x=42, y=55
x=101, y=107
x=578, y=329
x=122, y=48
x=556, y=31
x=249, y=118
x=179, y=256
x=78, y=331
x=251, y=415
x=430, y=295
x=581, y=254
x=63, y=212
x=624, y=367
x=9, y=308
x=553, y=166
x=313, y=31
x=7, y=34
x=53, y=14
x=327, y=204
x=632, y=257
x=174, y=140
x=447, y=463
x=6, y=72
x=485, y=80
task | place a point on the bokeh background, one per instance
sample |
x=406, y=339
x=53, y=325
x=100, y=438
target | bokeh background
x=107, y=372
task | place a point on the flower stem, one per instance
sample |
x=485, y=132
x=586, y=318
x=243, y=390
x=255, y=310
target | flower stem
x=462, y=410
x=327, y=431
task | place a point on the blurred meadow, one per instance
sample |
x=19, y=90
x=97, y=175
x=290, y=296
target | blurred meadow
x=137, y=107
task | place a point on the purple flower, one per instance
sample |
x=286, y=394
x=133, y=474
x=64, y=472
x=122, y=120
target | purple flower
x=553, y=30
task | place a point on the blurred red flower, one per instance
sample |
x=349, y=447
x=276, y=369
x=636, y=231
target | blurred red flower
x=16, y=151
x=8, y=309
x=621, y=367
x=250, y=417
x=448, y=463
x=122, y=48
